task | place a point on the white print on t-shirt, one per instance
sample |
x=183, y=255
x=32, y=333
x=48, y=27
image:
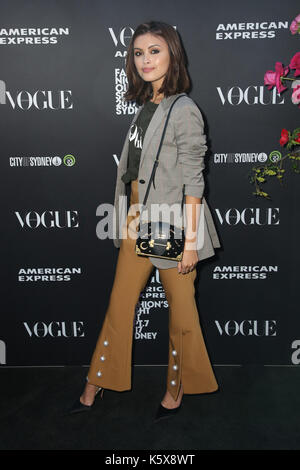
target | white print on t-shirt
x=136, y=134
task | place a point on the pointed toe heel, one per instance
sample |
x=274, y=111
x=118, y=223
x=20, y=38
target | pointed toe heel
x=163, y=412
x=79, y=407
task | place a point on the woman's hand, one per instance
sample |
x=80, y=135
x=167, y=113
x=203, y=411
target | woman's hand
x=188, y=262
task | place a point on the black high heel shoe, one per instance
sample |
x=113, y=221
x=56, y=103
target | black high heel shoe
x=79, y=407
x=163, y=412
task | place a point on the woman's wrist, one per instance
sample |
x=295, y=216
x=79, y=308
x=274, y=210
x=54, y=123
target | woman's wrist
x=190, y=244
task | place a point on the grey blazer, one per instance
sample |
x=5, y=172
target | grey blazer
x=181, y=161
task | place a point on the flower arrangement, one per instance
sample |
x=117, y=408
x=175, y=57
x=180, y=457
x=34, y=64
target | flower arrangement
x=291, y=139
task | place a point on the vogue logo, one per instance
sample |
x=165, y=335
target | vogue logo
x=250, y=216
x=247, y=328
x=49, y=219
x=55, y=329
x=40, y=99
x=123, y=36
x=251, y=95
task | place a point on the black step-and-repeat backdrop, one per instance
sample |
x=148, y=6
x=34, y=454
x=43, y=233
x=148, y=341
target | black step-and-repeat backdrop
x=63, y=124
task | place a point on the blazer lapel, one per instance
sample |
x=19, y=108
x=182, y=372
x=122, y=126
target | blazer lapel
x=157, y=120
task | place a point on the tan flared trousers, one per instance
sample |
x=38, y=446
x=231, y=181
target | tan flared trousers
x=111, y=362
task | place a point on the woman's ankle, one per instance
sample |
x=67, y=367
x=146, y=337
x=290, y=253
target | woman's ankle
x=168, y=400
x=89, y=393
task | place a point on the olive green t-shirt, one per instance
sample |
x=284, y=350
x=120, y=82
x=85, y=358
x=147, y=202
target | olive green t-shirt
x=136, y=139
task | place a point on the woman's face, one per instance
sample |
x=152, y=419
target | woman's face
x=151, y=58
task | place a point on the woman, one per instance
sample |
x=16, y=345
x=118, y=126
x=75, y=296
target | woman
x=157, y=75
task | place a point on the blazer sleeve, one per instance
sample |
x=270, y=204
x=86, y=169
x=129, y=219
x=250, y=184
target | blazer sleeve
x=191, y=146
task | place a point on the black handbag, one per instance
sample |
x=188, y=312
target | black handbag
x=160, y=239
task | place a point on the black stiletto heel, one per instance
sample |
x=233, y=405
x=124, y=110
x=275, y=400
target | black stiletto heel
x=163, y=412
x=79, y=407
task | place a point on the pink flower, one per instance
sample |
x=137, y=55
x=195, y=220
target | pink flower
x=273, y=78
x=295, y=63
x=295, y=25
x=296, y=94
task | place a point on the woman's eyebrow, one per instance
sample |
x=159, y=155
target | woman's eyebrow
x=148, y=47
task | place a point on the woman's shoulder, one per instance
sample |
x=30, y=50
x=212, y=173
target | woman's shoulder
x=186, y=112
x=185, y=101
x=186, y=108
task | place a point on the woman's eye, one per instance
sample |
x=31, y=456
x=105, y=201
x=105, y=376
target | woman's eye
x=153, y=50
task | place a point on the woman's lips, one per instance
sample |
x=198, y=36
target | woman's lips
x=148, y=69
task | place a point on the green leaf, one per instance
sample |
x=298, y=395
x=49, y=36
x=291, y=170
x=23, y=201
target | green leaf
x=295, y=132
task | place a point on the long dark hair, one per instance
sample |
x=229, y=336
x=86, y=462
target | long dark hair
x=176, y=79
